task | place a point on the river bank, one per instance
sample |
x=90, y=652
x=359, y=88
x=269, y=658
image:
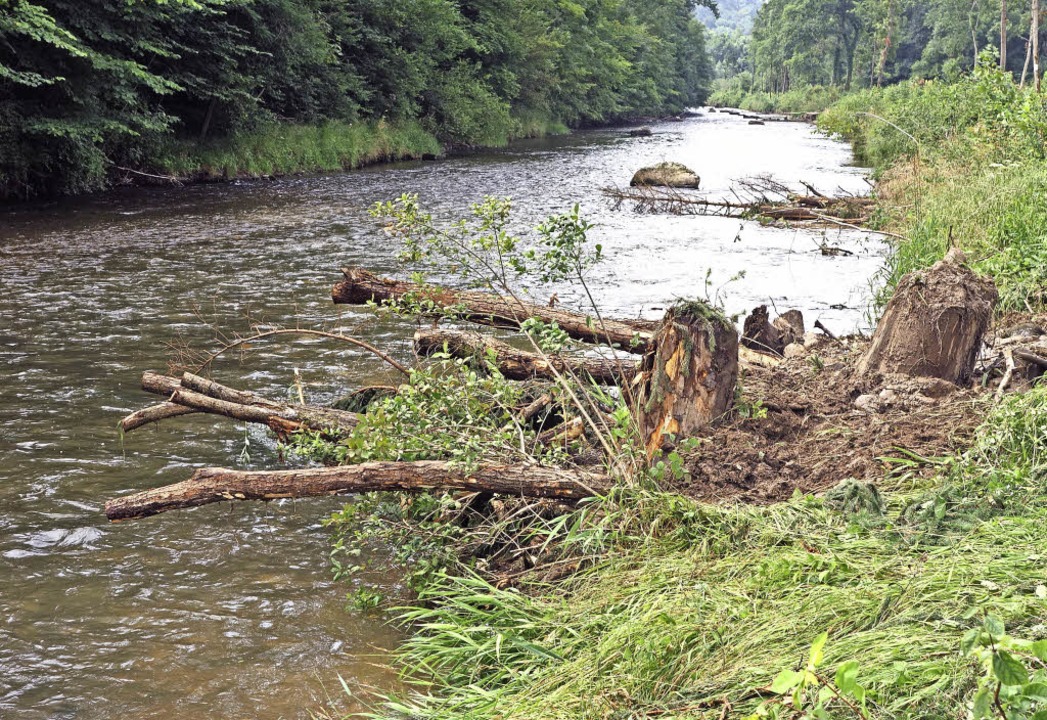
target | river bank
x=235, y=608
x=917, y=593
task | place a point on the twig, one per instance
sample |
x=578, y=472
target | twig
x=1008, y=355
x=168, y=178
x=1030, y=357
x=316, y=333
x=818, y=325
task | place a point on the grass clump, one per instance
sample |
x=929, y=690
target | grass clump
x=282, y=148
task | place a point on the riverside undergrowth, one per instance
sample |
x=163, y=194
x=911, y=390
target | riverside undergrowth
x=923, y=597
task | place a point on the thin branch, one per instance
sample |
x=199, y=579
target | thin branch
x=315, y=333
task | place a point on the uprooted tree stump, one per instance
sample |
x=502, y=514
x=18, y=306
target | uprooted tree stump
x=933, y=325
x=687, y=381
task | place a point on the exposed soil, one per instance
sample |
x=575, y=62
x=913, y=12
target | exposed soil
x=815, y=422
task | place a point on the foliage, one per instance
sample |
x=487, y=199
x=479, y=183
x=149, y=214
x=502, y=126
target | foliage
x=89, y=86
x=1008, y=690
x=694, y=607
x=963, y=164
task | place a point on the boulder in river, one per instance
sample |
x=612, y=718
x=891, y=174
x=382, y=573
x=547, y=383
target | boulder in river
x=641, y=132
x=666, y=174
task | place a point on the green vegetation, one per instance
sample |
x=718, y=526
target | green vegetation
x=920, y=596
x=192, y=86
x=836, y=46
x=962, y=164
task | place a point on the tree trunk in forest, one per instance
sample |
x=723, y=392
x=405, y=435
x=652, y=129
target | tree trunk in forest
x=933, y=325
x=1003, y=35
x=687, y=381
x=210, y=485
x=521, y=365
x=361, y=287
x=1034, y=36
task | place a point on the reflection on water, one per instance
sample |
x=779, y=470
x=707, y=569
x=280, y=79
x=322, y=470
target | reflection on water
x=229, y=611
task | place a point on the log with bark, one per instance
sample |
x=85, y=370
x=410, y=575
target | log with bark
x=517, y=364
x=360, y=287
x=934, y=324
x=688, y=379
x=198, y=394
x=210, y=485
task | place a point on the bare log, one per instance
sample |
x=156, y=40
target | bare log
x=210, y=485
x=519, y=364
x=360, y=287
x=934, y=323
x=202, y=395
x=688, y=380
x=152, y=414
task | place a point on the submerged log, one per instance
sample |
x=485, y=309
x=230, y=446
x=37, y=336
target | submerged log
x=934, y=324
x=517, y=364
x=210, y=485
x=198, y=394
x=688, y=380
x=360, y=287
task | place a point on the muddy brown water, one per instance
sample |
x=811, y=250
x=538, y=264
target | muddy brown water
x=230, y=611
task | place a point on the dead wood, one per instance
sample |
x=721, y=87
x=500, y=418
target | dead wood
x=199, y=394
x=152, y=414
x=933, y=325
x=688, y=379
x=210, y=485
x=360, y=287
x=517, y=364
x=760, y=334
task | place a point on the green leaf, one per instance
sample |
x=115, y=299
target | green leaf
x=1035, y=691
x=786, y=681
x=982, y=707
x=817, y=650
x=846, y=676
x=994, y=626
x=1039, y=649
x=1008, y=670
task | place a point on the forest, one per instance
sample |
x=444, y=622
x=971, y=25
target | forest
x=870, y=43
x=91, y=89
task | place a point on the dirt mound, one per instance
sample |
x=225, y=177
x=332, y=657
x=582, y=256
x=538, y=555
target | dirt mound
x=812, y=422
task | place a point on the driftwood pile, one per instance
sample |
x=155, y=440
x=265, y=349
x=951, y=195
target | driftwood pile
x=761, y=198
x=683, y=382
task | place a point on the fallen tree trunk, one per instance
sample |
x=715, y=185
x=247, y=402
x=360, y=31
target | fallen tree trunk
x=210, y=485
x=688, y=380
x=360, y=287
x=517, y=364
x=198, y=394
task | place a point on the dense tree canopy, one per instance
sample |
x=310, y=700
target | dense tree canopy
x=86, y=85
x=872, y=42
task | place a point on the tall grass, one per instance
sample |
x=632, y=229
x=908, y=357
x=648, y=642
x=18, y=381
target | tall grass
x=283, y=148
x=725, y=598
x=960, y=164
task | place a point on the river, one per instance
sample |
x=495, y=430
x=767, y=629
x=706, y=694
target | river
x=229, y=610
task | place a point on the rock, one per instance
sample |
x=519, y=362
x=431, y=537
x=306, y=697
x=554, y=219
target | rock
x=666, y=174
x=793, y=350
x=641, y=132
x=867, y=403
x=756, y=122
x=812, y=340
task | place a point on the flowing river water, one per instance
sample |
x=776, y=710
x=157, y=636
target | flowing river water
x=229, y=611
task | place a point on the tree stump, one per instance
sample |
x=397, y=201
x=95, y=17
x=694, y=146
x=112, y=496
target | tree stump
x=933, y=326
x=687, y=380
x=759, y=334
